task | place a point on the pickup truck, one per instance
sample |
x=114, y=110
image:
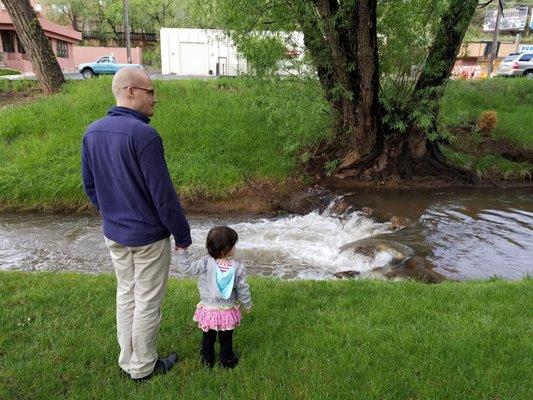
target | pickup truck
x=104, y=65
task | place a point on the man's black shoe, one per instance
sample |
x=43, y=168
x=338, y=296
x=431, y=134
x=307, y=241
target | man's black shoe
x=162, y=366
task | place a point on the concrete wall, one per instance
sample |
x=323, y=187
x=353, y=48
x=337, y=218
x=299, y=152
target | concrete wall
x=83, y=54
x=477, y=49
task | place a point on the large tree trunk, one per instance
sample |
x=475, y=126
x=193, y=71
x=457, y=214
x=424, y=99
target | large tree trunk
x=342, y=41
x=36, y=44
x=367, y=151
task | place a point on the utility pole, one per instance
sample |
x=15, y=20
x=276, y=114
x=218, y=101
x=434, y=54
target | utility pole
x=517, y=42
x=127, y=31
x=494, y=46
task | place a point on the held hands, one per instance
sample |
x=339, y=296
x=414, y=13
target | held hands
x=180, y=249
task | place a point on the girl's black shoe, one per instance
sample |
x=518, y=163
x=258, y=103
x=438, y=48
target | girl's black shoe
x=208, y=361
x=229, y=362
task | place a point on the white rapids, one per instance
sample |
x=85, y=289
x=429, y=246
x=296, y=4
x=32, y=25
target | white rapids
x=302, y=247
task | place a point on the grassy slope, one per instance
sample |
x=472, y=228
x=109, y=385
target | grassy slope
x=215, y=138
x=304, y=340
x=217, y=134
x=511, y=98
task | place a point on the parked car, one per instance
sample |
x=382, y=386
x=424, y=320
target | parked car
x=104, y=65
x=516, y=65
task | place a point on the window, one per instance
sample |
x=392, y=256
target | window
x=62, y=49
x=8, y=42
x=19, y=46
x=526, y=57
x=510, y=57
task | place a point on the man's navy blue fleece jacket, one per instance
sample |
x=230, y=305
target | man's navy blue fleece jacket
x=126, y=177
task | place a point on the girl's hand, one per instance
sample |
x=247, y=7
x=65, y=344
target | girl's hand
x=248, y=310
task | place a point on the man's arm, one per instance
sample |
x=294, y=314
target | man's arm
x=88, y=178
x=164, y=196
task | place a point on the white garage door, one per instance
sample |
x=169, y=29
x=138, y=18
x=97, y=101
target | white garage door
x=193, y=58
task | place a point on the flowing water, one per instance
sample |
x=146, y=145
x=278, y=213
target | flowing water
x=465, y=233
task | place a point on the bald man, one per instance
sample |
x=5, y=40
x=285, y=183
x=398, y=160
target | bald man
x=126, y=178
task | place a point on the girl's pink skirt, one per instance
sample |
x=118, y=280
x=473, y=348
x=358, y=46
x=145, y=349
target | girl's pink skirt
x=223, y=319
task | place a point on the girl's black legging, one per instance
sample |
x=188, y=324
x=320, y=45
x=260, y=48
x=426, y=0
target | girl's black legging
x=226, y=345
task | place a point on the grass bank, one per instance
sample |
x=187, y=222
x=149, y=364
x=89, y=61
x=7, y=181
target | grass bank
x=217, y=135
x=511, y=100
x=8, y=71
x=220, y=134
x=304, y=340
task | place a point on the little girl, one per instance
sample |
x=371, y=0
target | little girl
x=222, y=286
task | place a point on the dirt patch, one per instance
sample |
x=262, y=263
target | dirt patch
x=258, y=197
x=266, y=197
x=468, y=140
x=19, y=97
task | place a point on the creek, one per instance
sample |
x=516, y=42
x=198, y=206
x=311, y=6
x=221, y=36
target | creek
x=466, y=233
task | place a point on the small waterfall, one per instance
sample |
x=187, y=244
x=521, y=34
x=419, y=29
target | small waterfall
x=306, y=247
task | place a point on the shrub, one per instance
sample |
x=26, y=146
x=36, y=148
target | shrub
x=152, y=57
x=8, y=71
x=487, y=121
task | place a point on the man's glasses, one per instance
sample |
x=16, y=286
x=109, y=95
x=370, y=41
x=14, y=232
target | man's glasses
x=149, y=91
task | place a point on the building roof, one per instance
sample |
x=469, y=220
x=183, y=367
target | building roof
x=50, y=28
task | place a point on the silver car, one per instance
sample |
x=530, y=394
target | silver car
x=516, y=65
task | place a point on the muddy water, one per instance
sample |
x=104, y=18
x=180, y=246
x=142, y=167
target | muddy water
x=466, y=233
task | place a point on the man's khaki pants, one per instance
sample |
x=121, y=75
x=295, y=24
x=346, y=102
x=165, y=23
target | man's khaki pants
x=142, y=274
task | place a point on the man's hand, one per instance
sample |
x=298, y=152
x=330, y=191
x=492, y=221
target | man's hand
x=180, y=249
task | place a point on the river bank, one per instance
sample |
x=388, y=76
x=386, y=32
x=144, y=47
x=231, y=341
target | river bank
x=305, y=340
x=226, y=137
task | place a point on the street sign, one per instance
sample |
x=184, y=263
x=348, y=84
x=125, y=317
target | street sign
x=512, y=19
x=525, y=48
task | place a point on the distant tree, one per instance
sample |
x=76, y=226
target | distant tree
x=104, y=18
x=69, y=12
x=36, y=44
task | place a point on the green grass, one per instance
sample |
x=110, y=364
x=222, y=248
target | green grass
x=512, y=99
x=19, y=85
x=217, y=135
x=490, y=166
x=303, y=340
x=8, y=71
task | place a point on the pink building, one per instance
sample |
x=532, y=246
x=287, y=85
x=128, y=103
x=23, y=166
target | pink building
x=13, y=55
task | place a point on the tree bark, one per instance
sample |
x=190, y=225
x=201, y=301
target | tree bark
x=36, y=44
x=342, y=41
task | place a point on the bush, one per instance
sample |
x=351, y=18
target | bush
x=487, y=121
x=152, y=57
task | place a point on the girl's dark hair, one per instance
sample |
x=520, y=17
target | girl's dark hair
x=220, y=240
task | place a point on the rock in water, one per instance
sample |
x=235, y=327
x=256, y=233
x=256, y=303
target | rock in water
x=370, y=247
x=307, y=201
x=417, y=268
x=403, y=265
x=346, y=274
